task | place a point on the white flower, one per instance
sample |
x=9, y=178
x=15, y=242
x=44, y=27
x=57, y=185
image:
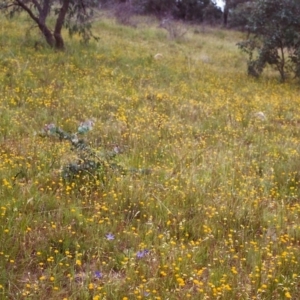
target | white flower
x=260, y=115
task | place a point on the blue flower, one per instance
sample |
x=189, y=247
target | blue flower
x=98, y=275
x=110, y=236
x=142, y=253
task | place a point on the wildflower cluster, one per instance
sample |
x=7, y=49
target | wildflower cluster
x=183, y=185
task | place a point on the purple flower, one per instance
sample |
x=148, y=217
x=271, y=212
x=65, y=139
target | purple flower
x=142, y=253
x=110, y=236
x=98, y=275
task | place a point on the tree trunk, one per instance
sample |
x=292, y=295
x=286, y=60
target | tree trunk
x=44, y=11
x=47, y=34
x=225, y=13
x=59, y=42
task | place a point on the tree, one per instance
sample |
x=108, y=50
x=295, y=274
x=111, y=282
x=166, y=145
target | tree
x=187, y=10
x=273, y=37
x=239, y=15
x=229, y=5
x=157, y=7
x=75, y=15
x=191, y=10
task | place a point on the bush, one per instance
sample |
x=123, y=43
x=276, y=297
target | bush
x=273, y=37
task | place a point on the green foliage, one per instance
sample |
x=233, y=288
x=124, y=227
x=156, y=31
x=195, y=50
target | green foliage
x=78, y=18
x=230, y=6
x=274, y=37
x=88, y=161
x=155, y=6
x=239, y=15
x=192, y=9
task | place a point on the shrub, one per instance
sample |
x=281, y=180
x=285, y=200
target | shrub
x=273, y=37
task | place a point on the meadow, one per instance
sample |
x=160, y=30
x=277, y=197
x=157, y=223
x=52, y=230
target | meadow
x=206, y=205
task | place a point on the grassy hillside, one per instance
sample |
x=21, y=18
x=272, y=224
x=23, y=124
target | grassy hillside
x=197, y=191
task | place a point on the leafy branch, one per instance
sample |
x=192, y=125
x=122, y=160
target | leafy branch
x=89, y=161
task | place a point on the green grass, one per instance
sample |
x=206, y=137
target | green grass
x=219, y=212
